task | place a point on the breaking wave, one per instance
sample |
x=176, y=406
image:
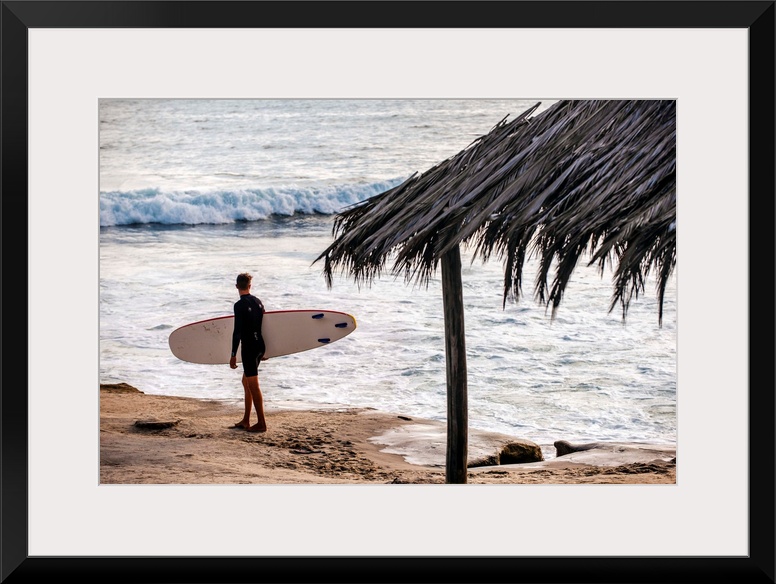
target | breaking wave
x=197, y=207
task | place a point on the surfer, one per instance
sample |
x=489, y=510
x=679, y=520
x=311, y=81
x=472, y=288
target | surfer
x=248, y=316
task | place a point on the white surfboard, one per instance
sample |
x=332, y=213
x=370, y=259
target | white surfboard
x=284, y=331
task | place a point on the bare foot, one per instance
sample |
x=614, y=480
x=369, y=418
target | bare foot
x=243, y=425
x=257, y=428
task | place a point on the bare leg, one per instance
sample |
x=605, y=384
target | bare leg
x=246, y=421
x=258, y=403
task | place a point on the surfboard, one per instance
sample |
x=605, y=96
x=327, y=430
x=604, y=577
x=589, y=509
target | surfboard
x=285, y=332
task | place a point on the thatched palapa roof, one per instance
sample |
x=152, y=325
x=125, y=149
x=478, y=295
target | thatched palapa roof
x=590, y=177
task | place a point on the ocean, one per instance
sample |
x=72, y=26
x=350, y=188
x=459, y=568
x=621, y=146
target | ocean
x=192, y=192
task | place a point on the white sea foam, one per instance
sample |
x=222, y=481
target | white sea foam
x=214, y=207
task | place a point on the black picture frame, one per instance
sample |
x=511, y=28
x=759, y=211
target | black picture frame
x=19, y=16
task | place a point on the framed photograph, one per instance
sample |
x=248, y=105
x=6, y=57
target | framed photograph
x=63, y=61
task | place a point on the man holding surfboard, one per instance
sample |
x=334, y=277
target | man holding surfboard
x=248, y=317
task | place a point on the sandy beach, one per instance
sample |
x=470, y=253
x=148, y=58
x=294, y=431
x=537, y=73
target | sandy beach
x=151, y=439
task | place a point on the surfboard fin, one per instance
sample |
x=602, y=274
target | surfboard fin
x=324, y=340
x=320, y=315
x=341, y=325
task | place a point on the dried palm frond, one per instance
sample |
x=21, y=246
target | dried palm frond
x=593, y=177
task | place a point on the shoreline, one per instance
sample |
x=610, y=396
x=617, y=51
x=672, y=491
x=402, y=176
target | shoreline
x=152, y=439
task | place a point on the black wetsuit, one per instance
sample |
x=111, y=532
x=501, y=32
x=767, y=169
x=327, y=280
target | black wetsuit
x=248, y=316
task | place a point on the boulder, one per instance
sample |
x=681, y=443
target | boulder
x=119, y=388
x=520, y=453
x=562, y=447
x=513, y=452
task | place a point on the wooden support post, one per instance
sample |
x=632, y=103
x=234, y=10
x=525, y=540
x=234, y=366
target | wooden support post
x=455, y=355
